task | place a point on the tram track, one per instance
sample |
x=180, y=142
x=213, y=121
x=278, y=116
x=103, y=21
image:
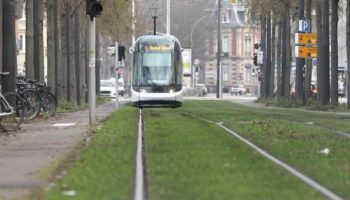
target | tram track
x=312, y=183
x=141, y=172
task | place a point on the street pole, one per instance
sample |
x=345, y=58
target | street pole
x=218, y=65
x=154, y=25
x=92, y=75
x=116, y=76
x=299, y=61
x=168, y=17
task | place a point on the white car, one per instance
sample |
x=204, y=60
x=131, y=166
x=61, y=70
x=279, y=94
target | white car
x=238, y=89
x=121, y=88
x=107, y=88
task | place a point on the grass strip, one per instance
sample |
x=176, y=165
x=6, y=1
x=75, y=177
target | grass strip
x=295, y=143
x=190, y=159
x=104, y=168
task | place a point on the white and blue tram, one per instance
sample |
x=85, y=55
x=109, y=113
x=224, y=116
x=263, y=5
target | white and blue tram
x=157, y=72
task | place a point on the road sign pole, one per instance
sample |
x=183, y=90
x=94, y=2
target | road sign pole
x=116, y=76
x=92, y=69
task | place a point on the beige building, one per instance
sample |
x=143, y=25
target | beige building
x=238, y=39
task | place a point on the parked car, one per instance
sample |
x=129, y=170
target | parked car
x=341, y=89
x=107, y=88
x=121, y=87
x=202, y=89
x=238, y=89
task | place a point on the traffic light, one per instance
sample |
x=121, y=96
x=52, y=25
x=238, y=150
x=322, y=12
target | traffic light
x=256, y=46
x=255, y=59
x=121, y=53
x=93, y=8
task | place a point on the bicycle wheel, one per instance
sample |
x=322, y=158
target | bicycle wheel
x=14, y=118
x=32, y=103
x=49, y=103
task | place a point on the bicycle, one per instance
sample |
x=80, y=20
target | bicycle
x=11, y=109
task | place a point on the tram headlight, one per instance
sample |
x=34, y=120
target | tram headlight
x=143, y=91
x=171, y=91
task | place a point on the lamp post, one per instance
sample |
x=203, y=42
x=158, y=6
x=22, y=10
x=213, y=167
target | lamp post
x=154, y=12
x=194, y=26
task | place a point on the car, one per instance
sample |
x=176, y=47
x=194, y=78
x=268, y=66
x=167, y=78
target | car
x=341, y=89
x=238, y=89
x=107, y=88
x=202, y=89
x=121, y=88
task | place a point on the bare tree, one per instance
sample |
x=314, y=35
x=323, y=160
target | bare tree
x=348, y=52
x=9, y=57
x=29, y=63
x=334, y=52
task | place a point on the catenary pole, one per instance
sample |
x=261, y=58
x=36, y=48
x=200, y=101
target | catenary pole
x=218, y=65
x=168, y=17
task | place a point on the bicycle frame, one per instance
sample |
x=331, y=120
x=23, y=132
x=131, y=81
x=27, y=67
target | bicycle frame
x=7, y=106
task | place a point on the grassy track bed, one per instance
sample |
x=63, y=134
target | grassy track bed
x=188, y=158
x=104, y=169
x=297, y=144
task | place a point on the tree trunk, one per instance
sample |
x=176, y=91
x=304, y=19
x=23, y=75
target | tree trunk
x=9, y=57
x=67, y=39
x=64, y=56
x=1, y=36
x=289, y=56
x=51, y=64
x=41, y=43
x=98, y=63
x=348, y=53
x=284, y=42
x=77, y=55
x=273, y=58
x=263, y=49
x=279, y=66
x=299, y=61
x=334, y=53
x=56, y=47
x=29, y=60
x=308, y=67
x=320, y=89
x=268, y=56
x=36, y=23
x=325, y=53
x=72, y=57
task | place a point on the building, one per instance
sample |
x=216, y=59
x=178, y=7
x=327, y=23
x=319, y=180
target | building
x=238, y=38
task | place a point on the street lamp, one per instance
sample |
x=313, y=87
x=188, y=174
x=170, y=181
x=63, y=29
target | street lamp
x=154, y=13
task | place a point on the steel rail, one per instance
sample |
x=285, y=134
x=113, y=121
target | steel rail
x=139, y=180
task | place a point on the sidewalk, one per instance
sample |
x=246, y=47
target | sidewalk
x=39, y=144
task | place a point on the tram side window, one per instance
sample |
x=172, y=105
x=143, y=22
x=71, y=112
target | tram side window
x=178, y=63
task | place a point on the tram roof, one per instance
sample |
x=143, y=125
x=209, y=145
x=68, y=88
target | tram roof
x=145, y=38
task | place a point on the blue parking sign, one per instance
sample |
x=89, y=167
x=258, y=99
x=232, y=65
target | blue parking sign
x=304, y=26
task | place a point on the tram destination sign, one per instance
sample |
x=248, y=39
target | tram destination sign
x=157, y=47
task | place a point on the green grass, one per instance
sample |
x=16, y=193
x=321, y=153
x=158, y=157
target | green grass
x=277, y=131
x=104, y=169
x=65, y=106
x=190, y=159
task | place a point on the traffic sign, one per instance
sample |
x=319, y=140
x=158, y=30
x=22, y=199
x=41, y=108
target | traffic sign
x=305, y=26
x=260, y=57
x=305, y=38
x=305, y=52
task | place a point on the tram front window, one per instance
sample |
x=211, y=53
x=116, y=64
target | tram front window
x=156, y=68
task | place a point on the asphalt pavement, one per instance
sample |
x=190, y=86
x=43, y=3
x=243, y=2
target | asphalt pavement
x=38, y=145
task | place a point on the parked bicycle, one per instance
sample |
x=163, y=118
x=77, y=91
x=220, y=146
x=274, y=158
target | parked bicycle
x=11, y=109
x=37, y=98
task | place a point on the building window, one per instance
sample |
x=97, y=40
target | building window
x=248, y=73
x=21, y=43
x=225, y=46
x=248, y=45
x=225, y=72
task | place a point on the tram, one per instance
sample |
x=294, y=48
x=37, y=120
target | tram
x=157, y=72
